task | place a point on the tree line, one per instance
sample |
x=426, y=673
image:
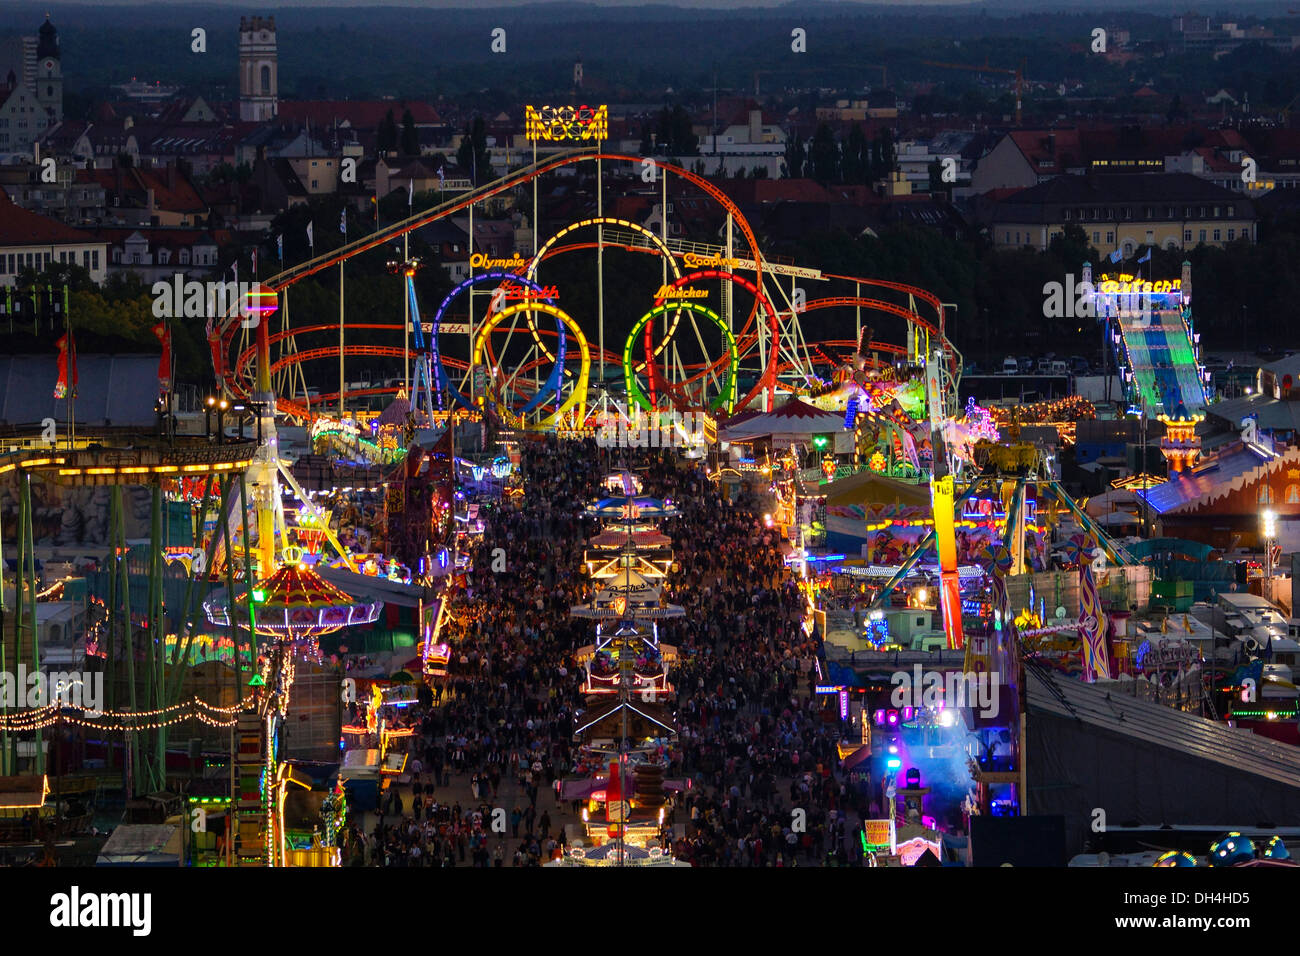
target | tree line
x=851, y=159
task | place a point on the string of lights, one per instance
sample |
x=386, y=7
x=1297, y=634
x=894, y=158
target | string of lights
x=40, y=718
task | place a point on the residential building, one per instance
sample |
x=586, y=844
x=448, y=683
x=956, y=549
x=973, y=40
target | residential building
x=157, y=253
x=70, y=200
x=1025, y=158
x=29, y=240
x=144, y=197
x=1196, y=34
x=1125, y=212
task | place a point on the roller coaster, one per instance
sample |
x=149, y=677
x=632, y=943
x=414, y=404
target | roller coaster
x=530, y=363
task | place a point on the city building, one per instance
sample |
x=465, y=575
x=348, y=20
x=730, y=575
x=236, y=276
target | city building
x=31, y=92
x=148, y=197
x=1122, y=211
x=158, y=253
x=259, y=70
x=71, y=198
x=29, y=240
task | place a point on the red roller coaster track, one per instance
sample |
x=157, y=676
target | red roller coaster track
x=223, y=335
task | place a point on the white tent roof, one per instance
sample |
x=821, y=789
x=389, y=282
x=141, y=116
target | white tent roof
x=793, y=418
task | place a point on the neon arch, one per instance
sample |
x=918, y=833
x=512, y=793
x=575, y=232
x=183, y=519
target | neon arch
x=221, y=334
x=443, y=380
x=531, y=272
x=767, y=381
x=579, y=394
x=728, y=396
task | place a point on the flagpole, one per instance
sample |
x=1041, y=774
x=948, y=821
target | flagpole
x=343, y=229
x=72, y=373
x=406, y=298
x=342, y=387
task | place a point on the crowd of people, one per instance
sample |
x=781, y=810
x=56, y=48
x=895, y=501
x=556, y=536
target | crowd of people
x=751, y=737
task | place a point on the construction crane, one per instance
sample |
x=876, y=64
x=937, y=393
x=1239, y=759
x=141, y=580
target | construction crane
x=1018, y=74
x=884, y=73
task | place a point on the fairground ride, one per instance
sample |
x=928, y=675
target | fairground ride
x=522, y=357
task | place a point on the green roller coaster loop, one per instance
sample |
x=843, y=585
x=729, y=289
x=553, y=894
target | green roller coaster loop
x=727, y=397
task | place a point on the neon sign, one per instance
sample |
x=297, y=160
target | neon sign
x=513, y=263
x=521, y=292
x=974, y=509
x=1129, y=283
x=558, y=123
x=669, y=292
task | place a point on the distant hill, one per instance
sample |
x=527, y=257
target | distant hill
x=630, y=50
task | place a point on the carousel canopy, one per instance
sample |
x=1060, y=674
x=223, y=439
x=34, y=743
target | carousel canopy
x=396, y=412
x=616, y=538
x=643, y=506
x=643, y=720
x=795, y=417
x=295, y=601
x=629, y=596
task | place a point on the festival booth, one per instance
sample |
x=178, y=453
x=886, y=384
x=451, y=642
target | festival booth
x=868, y=500
x=359, y=776
x=628, y=596
x=645, y=536
x=651, y=660
x=609, y=854
x=883, y=519
x=142, y=844
x=315, y=812
x=795, y=422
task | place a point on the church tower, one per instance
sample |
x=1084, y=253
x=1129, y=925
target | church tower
x=49, y=75
x=258, y=69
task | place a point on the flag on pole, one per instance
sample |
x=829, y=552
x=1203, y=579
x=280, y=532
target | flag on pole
x=1116, y=256
x=410, y=193
x=67, y=361
x=343, y=221
x=1147, y=257
x=310, y=242
x=164, y=334
x=279, y=246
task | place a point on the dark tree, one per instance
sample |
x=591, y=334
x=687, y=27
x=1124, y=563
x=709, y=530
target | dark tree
x=1176, y=111
x=854, y=162
x=386, y=139
x=410, y=138
x=472, y=156
x=824, y=155
x=674, y=132
x=795, y=155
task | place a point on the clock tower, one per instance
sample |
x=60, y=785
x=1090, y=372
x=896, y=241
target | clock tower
x=49, y=74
